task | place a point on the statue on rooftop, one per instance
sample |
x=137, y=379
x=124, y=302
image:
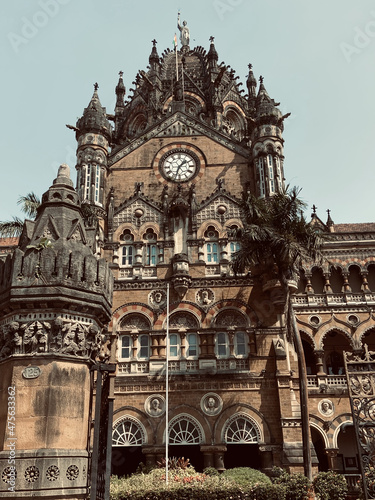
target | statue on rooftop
x=185, y=33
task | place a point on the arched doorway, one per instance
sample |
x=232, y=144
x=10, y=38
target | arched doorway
x=347, y=450
x=320, y=449
x=241, y=435
x=185, y=438
x=128, y=436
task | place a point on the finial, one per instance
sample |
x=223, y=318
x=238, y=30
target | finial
x=96, y=86
x=250, y=66
x=154, y=42
x=261, y=78
x=328, y=212
x=212, y=38
x=120, y=73
x=314, y=209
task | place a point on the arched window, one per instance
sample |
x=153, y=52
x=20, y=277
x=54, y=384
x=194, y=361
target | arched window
x=126, y=347
x=150, y=248
x=174, y=345
x=261, y=180
x=127, y=249
x=128, y=432
x=185, y=429
x=192, y=347
x=212, y=246
x=240, y=429
x=271, y=175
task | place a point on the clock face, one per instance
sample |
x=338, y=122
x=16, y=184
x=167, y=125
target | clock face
x=179, y=166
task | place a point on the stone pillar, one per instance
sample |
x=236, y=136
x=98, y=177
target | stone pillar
x=54, y=304
x=266, y=457
x=219, y=452
x=332, y=459
x=208, y=456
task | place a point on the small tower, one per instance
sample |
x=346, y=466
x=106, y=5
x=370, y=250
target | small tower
x=267, y=141
x=55, y=302
x=93, y=133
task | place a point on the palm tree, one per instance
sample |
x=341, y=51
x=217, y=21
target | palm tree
x=276, y=238
x=13, y=228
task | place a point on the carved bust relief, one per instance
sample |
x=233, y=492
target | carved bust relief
x=155, y=405
x=211, y=404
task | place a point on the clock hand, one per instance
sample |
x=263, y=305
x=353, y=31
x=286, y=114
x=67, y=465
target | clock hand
x=178, y=168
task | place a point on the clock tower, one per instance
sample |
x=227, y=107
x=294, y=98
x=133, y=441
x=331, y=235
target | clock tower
x=185, y=147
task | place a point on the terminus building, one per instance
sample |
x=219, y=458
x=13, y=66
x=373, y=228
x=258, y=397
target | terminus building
x=166, y=173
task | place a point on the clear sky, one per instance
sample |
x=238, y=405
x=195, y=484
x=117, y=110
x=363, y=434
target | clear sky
x=317, y=58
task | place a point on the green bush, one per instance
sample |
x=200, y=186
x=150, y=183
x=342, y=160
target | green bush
x=297, y=485
x=330, y=486
x=245, y=476
x=186, y=484
x=211, y=471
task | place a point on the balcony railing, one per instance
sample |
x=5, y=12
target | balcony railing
x=329, y=299
x=314, y=381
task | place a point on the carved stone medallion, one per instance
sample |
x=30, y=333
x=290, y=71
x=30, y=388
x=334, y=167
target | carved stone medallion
x=155, y=405
x=211, y=404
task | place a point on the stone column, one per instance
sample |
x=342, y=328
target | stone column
x=319, y=356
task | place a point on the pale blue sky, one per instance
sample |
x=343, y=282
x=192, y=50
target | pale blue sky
x=317, y=59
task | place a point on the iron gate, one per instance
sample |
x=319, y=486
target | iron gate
x=360, y=373
x=102, y=443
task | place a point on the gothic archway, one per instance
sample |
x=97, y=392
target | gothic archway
x=241, y=435
x=185, y=437
x=128, y=437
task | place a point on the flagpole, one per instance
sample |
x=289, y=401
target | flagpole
x=167, y=388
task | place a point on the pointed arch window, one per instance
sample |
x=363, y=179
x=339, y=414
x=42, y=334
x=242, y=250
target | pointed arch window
x=261, y=179
x=127, y=249
x=271, y=174
x=212, y=246
x=150, y=248
x=278, y=174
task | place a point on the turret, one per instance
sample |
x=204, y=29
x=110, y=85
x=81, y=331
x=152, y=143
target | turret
x=93, y=133
x=267, y=141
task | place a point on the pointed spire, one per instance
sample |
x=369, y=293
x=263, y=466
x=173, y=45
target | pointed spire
x=329, y=222
x=251, y=83
x=120, y=91
x=94, y=118
x=212, y=55
x=154, y=56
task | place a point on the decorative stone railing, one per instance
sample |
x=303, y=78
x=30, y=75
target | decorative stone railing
x=329, y=299
x=313, y=381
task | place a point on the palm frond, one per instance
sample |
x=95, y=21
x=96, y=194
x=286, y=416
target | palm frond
x=10, y=229
x=30, y=204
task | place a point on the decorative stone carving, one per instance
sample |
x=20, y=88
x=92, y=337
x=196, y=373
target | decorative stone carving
x=72, y=472
x=60, y=337
x=155, y=405
x=211, y=404
x=9, y=474
x=52, y=473
x=134, y=322
x=205, y=297
x=157, y=299
x=32, y=474
x=326, y=407
x=231, y=318
x=182, y=320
